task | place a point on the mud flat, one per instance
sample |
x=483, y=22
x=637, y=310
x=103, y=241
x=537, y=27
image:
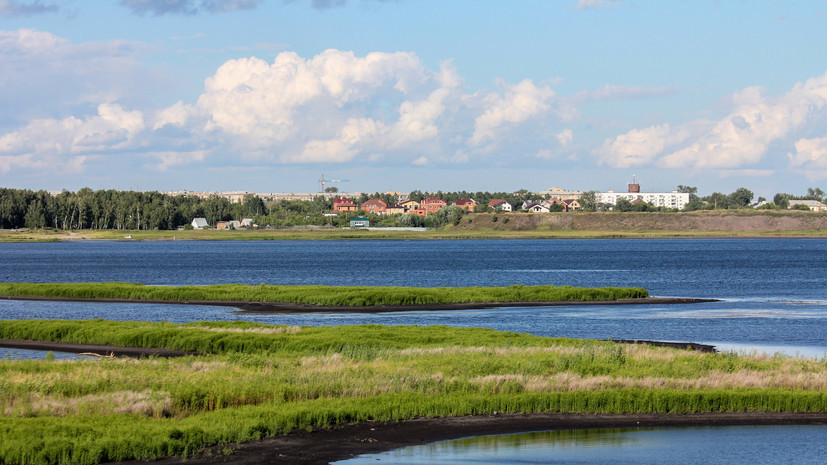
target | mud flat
x=287, y=307
x=347, y=441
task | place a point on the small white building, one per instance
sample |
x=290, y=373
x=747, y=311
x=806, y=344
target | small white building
x=541, y=207
x=813, y=205
x=500, y=205
x=200, y=223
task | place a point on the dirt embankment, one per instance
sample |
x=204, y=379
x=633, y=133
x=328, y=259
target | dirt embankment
x=693, y=221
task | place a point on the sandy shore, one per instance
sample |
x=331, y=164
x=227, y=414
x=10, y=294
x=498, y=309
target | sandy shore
x=285, y=307
x=346, y=441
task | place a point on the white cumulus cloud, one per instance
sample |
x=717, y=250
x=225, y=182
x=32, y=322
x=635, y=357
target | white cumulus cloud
x=739, y=139
x=519, y=103
x=810, y=153
x=52, y=143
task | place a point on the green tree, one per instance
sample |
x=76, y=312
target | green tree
x=814, y=193
x=588, y=201
x=741, y=198
x=782, y=200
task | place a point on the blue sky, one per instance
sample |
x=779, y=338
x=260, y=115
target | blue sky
x=265, y=96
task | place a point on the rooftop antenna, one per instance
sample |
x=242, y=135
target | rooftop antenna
x=634, y=187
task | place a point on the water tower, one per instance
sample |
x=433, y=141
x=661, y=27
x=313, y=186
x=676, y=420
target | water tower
x=634, y=187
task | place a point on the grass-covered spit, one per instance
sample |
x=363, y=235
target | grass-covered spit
x=322, y=295
x=257, y=380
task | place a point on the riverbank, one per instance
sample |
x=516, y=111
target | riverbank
x=287, y=308
x=579, y=225
x=341, y=442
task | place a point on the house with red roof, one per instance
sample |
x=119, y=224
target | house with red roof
x=432, y=204
x=466, y=204
x=344, y=205
x=375, y=206
x=500, y=205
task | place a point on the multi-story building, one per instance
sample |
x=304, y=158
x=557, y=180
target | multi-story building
x=673, y=199
x=560, y=194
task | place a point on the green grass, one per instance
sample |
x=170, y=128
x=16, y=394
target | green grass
x=255, y=380
x=357, y=296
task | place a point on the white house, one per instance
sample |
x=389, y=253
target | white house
x=500, y=205
x=541, y=207
x=813, y=205
x=200, y=223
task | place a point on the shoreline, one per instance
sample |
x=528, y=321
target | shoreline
x=342, y=442
x=138, y=352
x=99, y=349
x=287, y=307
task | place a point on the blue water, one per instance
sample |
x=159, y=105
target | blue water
x=773, y=290
x=720, y=268
x=731, y=445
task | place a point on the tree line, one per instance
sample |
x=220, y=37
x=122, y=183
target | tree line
x=132, y=210
x=111, y=209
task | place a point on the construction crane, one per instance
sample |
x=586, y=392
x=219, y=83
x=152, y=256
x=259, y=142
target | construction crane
x=322, y=182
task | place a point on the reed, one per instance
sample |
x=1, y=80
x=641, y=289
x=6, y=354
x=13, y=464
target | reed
x=255, y=380
x=358, y=296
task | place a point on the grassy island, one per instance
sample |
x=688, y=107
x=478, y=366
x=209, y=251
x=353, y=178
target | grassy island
x=253, y=380
x=325, y=296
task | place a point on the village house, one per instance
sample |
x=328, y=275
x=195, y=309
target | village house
x=536, y=207
x=572, y=205
x=234, y=224
x=344, y=206
x=466, y=204
x=813, y=205
x=394, y=209
x=375, y=206
x=432, y=204
x=409, y=205
x=500, y=205
x=200, y=223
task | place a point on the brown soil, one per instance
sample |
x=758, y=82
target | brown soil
x=346, y=441
x=629, y=221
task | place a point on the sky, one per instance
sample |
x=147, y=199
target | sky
x=397, y=95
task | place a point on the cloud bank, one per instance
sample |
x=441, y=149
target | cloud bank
x=376, y=110
x=742, y=138
x=335, y=107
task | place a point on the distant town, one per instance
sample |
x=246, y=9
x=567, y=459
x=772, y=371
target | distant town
x=110, y=209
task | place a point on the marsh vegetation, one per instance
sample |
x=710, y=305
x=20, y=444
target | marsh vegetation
x=321, y=295
x=255, y=380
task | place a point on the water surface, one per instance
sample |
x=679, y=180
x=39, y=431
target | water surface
x=731, y=445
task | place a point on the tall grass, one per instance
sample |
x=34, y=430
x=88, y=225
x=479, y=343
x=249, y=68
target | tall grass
x=258, y=380
x=321, y=295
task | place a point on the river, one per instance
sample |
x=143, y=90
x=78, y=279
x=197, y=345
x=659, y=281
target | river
x=771, y=291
